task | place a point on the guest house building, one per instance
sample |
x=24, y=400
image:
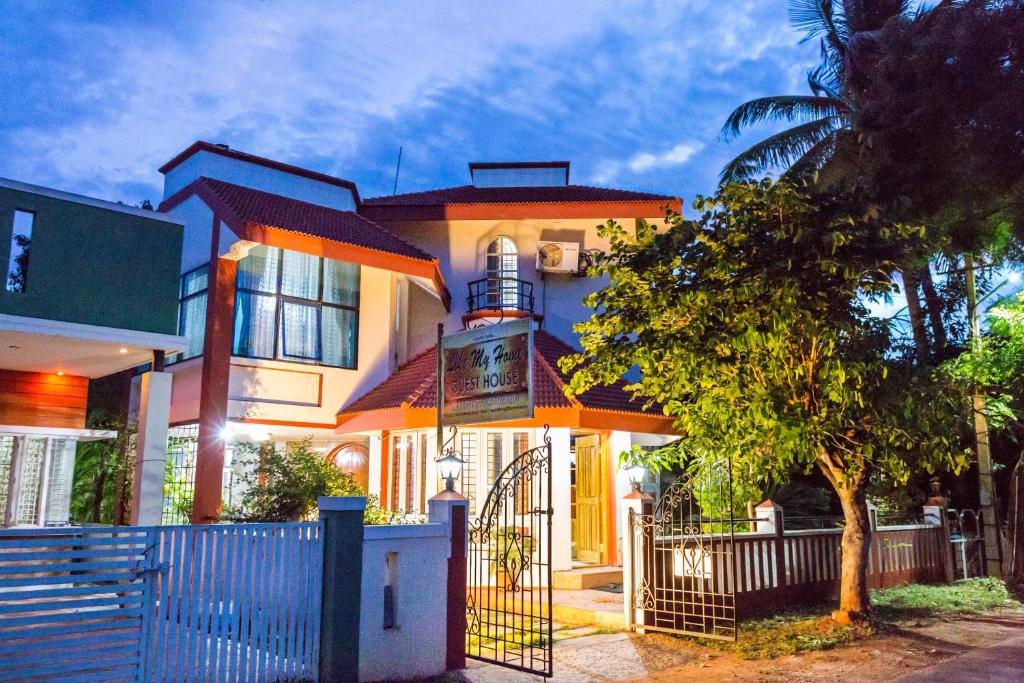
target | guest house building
x=311, y=313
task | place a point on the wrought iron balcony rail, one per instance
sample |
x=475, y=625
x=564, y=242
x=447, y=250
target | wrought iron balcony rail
x=500, y=294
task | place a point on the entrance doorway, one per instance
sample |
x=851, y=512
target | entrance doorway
x=590, y=511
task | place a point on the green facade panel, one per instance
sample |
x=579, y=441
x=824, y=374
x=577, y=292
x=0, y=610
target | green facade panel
x=93, y=265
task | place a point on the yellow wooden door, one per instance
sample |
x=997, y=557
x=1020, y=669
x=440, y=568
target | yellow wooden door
x=589, y=499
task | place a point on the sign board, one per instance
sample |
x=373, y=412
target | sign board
x=691, y=561
x=488, y=374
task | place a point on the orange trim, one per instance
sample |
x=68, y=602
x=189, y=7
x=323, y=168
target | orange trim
x=310, y=244
x=497, y=313
x=611, y=555
x=43, y=400
x=343, y=251
x=593, y=418
x=527, y=210
x=213, y=389
x=385, y=469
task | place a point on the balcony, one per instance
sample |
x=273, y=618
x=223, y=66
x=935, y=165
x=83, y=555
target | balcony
x=499, y=298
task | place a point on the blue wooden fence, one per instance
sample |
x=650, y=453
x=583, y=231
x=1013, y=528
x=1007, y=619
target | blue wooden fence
x=184, y=603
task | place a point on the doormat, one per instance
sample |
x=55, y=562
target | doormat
x=610, y=588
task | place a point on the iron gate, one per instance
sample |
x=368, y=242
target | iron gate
x=508, y=600
x=682, y=565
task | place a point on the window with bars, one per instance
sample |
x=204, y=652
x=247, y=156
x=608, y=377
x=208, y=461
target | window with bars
x=503, y=272
x=521, y=444
x=45, y=468
x=468, y=447
x=296, y=307
x=180, y=474
x=192, y=312
x=494, y=457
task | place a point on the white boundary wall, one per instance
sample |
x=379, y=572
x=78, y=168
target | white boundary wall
x=415, y=646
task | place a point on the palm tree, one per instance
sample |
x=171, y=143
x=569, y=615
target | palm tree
x=828, y=139
x=826, y=128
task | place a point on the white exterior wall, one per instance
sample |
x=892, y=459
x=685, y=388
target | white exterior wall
x=258, y=177
x=461, y=246
x=416, y=647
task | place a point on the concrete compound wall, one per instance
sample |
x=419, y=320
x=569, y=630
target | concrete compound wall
x=413, y=560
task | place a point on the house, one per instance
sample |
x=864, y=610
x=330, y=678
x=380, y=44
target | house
x=89, y=289
x=312, y=313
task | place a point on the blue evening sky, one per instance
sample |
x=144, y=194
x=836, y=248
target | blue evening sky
x=96, y=96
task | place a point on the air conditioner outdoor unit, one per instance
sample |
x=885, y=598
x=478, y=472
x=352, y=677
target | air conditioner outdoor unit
x=558, y=257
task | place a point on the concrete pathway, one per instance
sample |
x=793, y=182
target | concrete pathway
x=601, y=657
x=992, y=664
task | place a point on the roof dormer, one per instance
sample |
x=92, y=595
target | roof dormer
x=207, y=160
x=520, y=174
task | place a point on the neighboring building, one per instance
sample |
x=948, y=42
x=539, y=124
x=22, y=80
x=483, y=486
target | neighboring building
x=312, y=313
x=89, y=289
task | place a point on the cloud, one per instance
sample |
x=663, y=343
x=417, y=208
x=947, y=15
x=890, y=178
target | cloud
x=611, y=170
x=100, y=98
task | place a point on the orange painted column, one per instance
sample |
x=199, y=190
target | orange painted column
x=213, y=393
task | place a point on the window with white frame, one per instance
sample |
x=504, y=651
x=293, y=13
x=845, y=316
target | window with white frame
x=503, y=272
x=296, y=307
x=42, y=470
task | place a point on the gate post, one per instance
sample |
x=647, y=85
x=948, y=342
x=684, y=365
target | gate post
x=635, y=503
x=936, y=515
x=341, y=590
x=451, y=508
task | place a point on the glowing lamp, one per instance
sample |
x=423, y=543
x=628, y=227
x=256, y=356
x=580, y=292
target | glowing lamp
x=636, y=473
x=450, y=466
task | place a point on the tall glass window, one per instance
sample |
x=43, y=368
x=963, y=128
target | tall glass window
x=192, y=312
x=21, y=245
x=297, y=307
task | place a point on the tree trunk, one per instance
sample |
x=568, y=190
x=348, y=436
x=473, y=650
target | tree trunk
x=910, y=286
x=854, y=602
x=934, y=305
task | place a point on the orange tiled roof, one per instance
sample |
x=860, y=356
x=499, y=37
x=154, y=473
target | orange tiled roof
x=415, y=384
x=470, y=194
x=265, y=208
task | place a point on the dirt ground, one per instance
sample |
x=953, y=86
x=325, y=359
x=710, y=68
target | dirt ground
x=977, y=648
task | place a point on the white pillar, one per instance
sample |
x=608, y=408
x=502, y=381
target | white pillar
x=631, y=565
x=151, y=448
x=765, y=515
x=373, y=478
x=618, y=442
x=561, y=499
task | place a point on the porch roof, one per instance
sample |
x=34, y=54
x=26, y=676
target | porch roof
x=408, y=398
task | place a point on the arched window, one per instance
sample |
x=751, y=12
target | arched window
x=503, y=272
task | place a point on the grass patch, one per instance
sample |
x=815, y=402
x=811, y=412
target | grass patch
x=790, y=633
x=810, y=630
x=918, y=601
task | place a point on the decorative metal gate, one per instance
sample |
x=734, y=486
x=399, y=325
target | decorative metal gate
x=683, y=567
x=508, y=601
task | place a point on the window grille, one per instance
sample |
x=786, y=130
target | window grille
x=180, y=474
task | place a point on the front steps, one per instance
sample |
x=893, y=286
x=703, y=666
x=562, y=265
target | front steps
x=585, y=578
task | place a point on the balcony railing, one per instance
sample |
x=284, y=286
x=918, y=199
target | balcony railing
x=500, y=294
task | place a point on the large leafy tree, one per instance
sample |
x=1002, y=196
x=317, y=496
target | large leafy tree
x=749, y=326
